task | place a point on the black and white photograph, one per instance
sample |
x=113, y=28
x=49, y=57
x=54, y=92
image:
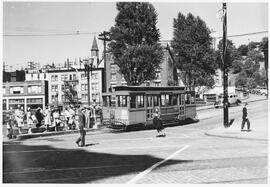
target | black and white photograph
x=134, y=92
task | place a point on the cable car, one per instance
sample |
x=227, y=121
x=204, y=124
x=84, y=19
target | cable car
x=134, y=105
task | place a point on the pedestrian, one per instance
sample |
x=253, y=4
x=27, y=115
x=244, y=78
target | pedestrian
x=87, y=117
x=81, y=124
x=47, y=118
x=245, y=118
x=71, y=120
x=19, y=114
x=56, y=118
x=157, y=121
x=67, y=116
x=39, y=117
x=29, y=120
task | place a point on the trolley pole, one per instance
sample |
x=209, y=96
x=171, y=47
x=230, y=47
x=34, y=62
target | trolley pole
x=225, y=69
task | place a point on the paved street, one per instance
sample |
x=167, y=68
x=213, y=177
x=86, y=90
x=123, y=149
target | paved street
x=186, y=155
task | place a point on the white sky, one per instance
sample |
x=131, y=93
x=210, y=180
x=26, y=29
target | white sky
x=69, y=17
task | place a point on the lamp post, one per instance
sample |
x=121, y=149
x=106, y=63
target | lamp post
x=88, y=65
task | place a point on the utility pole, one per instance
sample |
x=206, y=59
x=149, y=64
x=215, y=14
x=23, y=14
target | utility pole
x=104, y=36
x=225, y=69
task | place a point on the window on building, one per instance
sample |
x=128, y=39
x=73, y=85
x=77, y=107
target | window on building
x=4, y=90
x=83, y=76
x=113, y=67
x=84, y=97
x=95, y=97
x=106, y=101
x=74, y=77
x=54, y=78
x=16, y=90
x=4, y=104
x=84, y=87
x=94, y=76
x=54, y=98
x=34, y=89
x=35, y=100
x=63, y=77
x=95, y=86
x=157, y=84
x=158, y=75
x=122, y=100
x=113, y=76
x=54, y=88
x=63, y=98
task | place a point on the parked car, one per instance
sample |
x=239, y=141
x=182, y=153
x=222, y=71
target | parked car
x=233, y=99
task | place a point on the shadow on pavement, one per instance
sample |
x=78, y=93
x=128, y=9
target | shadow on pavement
x=45, y=164
x=143, y=128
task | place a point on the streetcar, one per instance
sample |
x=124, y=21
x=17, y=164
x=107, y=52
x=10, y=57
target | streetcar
x=135, y=105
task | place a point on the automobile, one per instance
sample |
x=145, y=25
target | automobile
x=233, y=99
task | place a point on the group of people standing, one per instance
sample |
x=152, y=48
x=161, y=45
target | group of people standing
x=53, y=117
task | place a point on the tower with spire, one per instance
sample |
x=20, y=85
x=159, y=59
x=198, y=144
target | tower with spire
x=94, y=52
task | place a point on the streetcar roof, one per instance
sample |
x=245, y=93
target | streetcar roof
x=148, y=88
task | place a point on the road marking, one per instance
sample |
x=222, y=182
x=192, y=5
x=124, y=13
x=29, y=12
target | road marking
x=145, y=172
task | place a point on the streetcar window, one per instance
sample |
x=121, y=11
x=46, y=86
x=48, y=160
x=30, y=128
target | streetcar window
x=149, y=101
x=156, y=100
x=132, y=101
x=122, y=100
x=140, y=101
x=187, y=98
x=106, y=101
x=182, y=99
x=192, y=99
x=164, y=100
x=174, y=99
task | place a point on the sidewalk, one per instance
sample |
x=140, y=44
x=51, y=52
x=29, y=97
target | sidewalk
x=259, y=130
x=252, y=98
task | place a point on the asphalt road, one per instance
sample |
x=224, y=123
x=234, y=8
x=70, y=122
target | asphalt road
x=185, y=155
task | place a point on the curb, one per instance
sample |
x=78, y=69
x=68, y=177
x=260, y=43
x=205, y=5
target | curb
x=211, y=106
x=235, y=137
x=45, y=134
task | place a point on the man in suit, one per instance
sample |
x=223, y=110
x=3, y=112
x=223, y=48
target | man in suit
x=81, y=124
x=245, y=118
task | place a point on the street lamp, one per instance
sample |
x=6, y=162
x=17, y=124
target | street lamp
x=88, y=65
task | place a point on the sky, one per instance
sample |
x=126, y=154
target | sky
x=39, y=18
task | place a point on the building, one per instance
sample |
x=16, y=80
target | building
x=25, y=94
x=57, y=79
x=18, y=75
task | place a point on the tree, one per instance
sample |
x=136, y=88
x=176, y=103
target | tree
x=71, y=95
x=134, y=42
x=243, y=50
x=232, y=55
x=264, y=48
x=192, y=49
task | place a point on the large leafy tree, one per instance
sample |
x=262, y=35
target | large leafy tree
x=264, y=48
x=232, y=56
x=134, y=41
x=192, y=47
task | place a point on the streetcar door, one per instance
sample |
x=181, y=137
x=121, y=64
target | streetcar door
x=149, y=107
x=182, y=106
